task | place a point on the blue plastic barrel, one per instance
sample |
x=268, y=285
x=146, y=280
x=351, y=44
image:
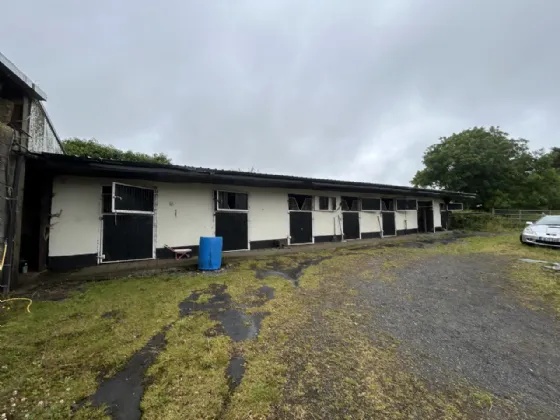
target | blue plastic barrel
x=210, y=253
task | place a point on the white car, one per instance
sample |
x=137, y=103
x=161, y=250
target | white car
x=544, y=232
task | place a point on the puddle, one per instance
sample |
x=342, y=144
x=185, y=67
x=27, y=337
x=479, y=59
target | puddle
x=123, y=392
x=217, y=302
x=290, y=273
x=235, y=372
x=240, y=326
x=265, y=292
x=233, y=321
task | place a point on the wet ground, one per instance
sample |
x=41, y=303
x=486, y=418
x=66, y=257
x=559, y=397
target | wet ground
x=290, y=272
x=452, y=317
x=122, y=393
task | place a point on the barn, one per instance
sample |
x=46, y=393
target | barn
x=105, y=211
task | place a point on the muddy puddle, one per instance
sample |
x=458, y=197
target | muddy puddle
x=288, y=272
x=123, y=392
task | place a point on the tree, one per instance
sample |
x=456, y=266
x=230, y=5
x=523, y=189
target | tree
x=91, y=148
x=502, y=171
x=555, y=156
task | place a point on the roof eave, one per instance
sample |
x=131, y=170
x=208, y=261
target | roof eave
x=21, y=79
x=72, y=165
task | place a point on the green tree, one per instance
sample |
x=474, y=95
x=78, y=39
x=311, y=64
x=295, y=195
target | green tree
x=555, y=157
x=502, y=171
x=91, y=148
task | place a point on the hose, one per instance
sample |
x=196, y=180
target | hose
x=28, y=305
x=4, y=255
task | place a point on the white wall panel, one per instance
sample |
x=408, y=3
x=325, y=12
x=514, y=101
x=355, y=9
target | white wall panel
x=325, y=223
x=407, y=219
x=437, y=214
x=369, y=221
x=76, y=231
x=184, y=213
x=268, y=214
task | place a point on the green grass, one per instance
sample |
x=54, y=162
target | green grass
x=312, y=340
x=53, y=356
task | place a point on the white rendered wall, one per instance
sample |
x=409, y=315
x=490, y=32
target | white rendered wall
x=268, y=214
x=369, y=221
x=76, y=230
x=325, y=222
x=437, y=214
x=407, y=219
x=185, y=212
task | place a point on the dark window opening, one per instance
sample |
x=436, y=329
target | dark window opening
x=350, y=203
x=404, y=204
x=327, y=203
x=300, y=202
x=128, y=198
x=107, y=199
x=232, y=201
x=455, y=206
x=371, y=204
x=388, y=204
x=425, y=204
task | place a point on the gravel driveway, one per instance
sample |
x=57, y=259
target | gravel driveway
x=456, y=318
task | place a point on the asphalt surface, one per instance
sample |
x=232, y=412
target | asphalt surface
x=456, y=318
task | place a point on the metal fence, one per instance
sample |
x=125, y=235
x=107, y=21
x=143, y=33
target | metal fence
x=524, y=215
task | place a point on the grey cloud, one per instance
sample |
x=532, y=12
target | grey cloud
x=352, y=90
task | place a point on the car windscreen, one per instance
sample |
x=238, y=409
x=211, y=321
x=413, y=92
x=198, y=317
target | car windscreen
x=549, y=220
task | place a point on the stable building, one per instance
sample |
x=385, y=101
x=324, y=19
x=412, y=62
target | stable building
x=104, y=211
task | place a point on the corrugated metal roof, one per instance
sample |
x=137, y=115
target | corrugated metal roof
x=177, y=173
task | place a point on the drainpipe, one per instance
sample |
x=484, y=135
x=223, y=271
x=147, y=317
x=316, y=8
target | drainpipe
x=8, y=268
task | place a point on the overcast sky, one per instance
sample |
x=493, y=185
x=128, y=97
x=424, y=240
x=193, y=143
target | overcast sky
x=341, y=89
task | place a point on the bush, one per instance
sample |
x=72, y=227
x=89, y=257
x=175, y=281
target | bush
x=483, y=222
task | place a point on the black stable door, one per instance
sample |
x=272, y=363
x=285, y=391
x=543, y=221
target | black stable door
x=389, y=227
x=425, y=220
x=351, y=225
x=128, y=237
x=445, y=219
x=301, y=227
x=232, y=227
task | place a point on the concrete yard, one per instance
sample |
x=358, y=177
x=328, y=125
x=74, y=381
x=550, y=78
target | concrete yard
x=427, y=327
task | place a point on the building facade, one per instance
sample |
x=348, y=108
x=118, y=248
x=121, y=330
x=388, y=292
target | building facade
x=107, y=211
